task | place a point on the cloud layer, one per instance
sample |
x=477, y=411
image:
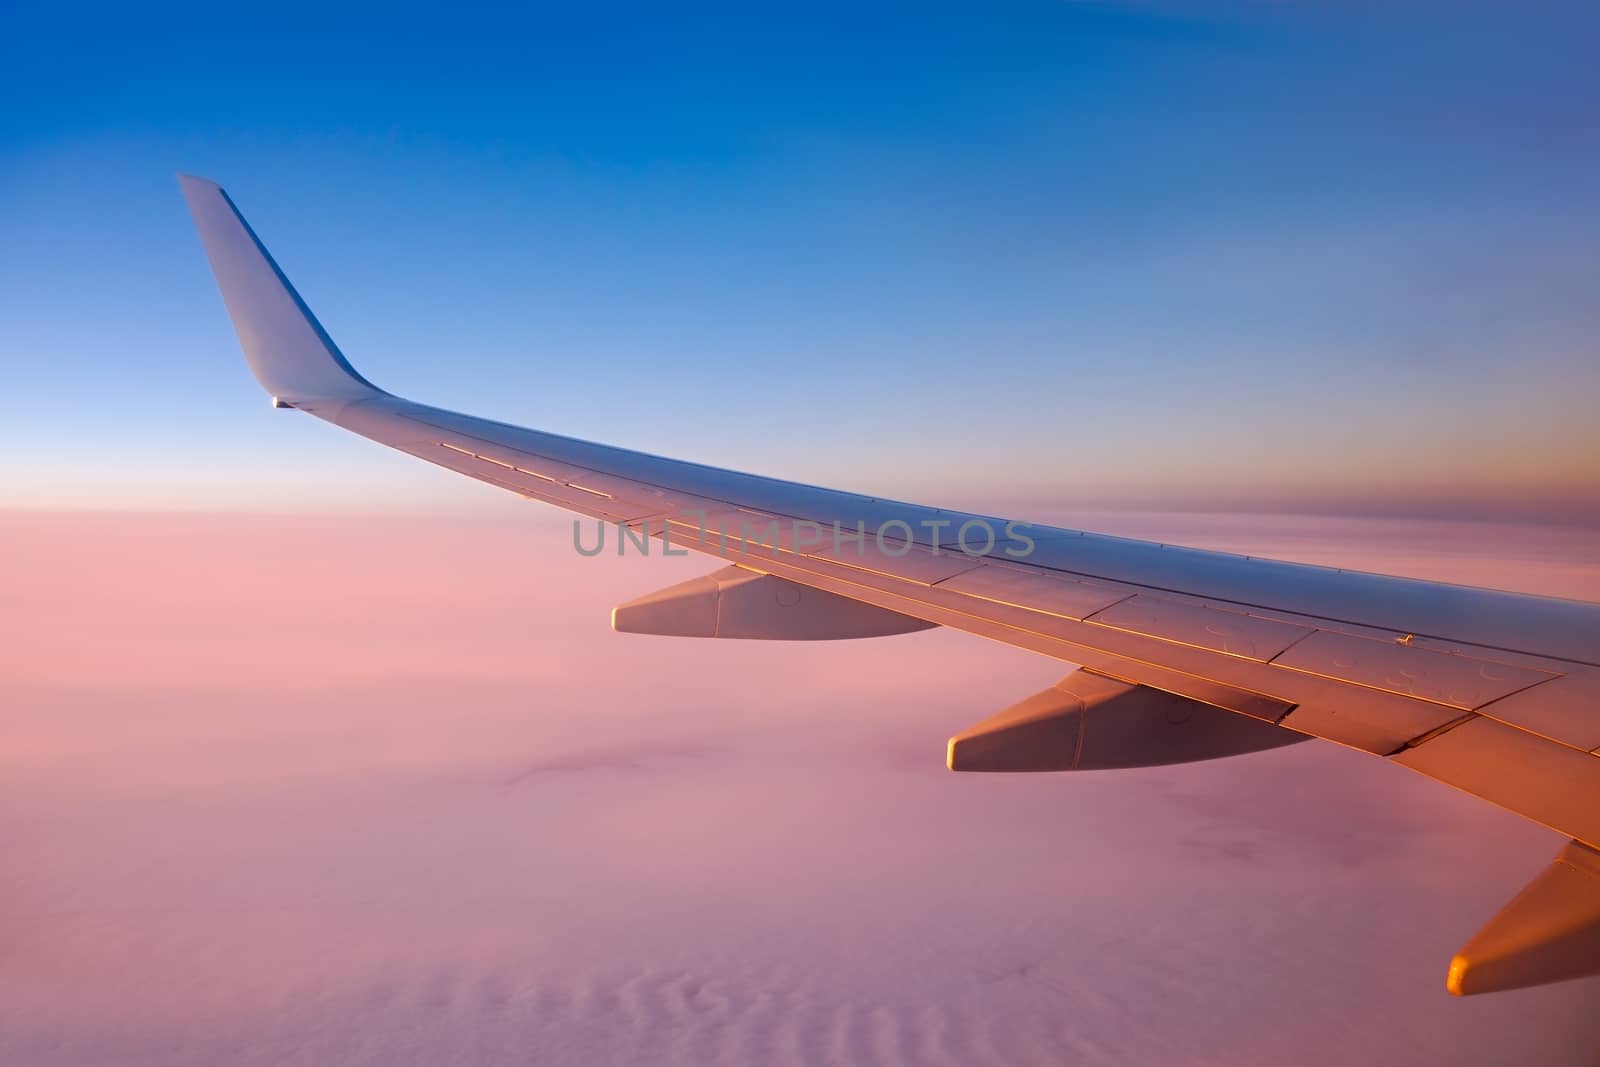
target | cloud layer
x=363, y=791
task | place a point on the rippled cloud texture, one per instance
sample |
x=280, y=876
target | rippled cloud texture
x=314, y=790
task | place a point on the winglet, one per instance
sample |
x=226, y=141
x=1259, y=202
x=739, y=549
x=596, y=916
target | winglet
x=289, y=352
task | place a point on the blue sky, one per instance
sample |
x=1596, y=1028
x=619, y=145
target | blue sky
x=1286, y=255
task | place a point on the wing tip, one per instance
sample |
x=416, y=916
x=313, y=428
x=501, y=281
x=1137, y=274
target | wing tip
x=290, y=353
x=194, y=181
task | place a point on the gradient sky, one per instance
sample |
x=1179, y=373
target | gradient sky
x=1288, y=255
x=370, y=791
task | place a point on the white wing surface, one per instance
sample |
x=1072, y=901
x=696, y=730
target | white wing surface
x=1185, y=654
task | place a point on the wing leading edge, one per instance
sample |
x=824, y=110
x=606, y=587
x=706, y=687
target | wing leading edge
x=1494, y=693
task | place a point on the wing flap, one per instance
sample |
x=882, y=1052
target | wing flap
x=1035, y=590
x=1457, y=681
x=1231, y=632
x=1563, y=710
x=1536, y=778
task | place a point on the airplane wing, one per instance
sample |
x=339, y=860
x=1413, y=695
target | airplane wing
x=1184, y=654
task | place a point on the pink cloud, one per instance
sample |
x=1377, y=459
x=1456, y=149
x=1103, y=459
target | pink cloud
x=369, y=789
